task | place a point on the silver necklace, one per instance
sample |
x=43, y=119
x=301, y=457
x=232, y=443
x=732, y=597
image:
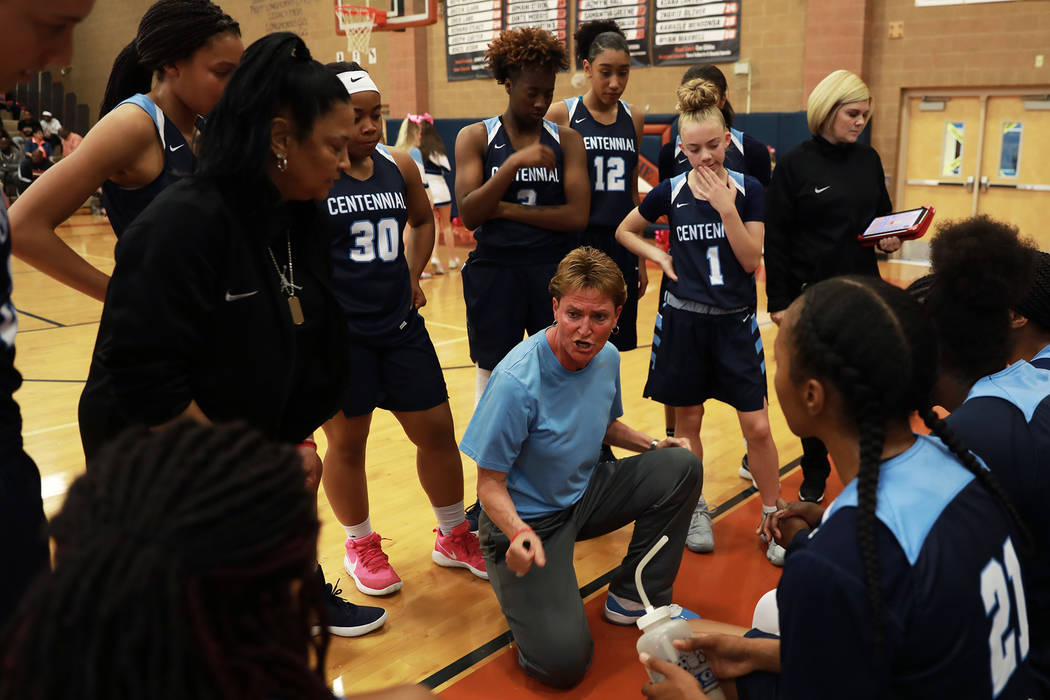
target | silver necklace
x=288, y=285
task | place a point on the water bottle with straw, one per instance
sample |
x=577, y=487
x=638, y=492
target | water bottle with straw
x=659, y=630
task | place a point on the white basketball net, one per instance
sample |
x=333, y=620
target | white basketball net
x=357, y=21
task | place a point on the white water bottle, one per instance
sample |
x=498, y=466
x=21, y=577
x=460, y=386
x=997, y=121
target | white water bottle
x=659, y=631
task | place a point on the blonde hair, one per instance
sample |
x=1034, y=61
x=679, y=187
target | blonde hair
x=406, y=136
x=589, y=268
x=838, y=88
x=698, y=102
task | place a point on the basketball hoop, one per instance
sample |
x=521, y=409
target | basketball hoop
x=357, y=21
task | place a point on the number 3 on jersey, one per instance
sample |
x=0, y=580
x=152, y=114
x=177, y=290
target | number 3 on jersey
x=367, y=244
x=1008, y=643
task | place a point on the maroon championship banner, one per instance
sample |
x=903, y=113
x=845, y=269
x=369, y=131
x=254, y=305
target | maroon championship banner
x=630, y=15
x=551, y=15
x=695, y=31
x=470, y=25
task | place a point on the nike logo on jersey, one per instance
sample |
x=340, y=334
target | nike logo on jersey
x=683, y=159
x=230, y=296
x=175, y=148
x=683, y=204
x=500, y=146
x=818, y=190
x=577, y=121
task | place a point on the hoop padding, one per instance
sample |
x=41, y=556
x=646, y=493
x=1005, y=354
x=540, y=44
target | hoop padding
x=358, y=21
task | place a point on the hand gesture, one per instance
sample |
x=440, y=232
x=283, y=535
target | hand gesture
x=524, y=550
x=535, y=156
x=677, y=683
x=709, y=186
x=419, y=299
x=766, y=527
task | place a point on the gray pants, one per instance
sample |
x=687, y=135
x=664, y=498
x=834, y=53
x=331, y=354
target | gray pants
x=657, y=491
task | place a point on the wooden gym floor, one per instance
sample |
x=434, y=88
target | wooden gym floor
x=445, y=623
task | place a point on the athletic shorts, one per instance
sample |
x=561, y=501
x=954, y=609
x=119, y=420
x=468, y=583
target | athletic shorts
x=626, y=336
x=398, y=371
x=697, y=357
x=504, y=303
x=438, y=189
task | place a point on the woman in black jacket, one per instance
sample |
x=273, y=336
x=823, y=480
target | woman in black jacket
x=823, y=194
x=220, y=307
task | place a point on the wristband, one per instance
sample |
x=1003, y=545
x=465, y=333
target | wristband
x=653, y=445
x=768, y=510
x=308, y=442
x=520, y=532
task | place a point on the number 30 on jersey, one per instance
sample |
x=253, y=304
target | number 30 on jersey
x=374, y=240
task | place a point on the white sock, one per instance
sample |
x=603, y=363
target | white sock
x=626, y=603
x=359, y=531
x=450, y=517
x=481, y=380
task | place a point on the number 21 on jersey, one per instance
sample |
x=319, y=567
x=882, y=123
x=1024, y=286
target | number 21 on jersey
x=1008, y=643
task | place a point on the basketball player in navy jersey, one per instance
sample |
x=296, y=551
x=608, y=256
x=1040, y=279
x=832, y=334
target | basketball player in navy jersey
x=706, y=344
x=982, y=271
x=391, y=359
x=611, y=133
x=37, y=35
x=521, y=183
x=911, y=584
x=143, y=141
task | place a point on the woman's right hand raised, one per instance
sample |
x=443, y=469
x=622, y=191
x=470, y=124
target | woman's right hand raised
x=535, y=156
x=525, y=550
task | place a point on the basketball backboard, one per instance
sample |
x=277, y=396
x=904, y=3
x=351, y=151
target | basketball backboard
x=400, y=14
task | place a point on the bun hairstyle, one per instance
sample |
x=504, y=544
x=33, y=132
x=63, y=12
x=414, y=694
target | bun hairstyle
x=600, y=35
x=872, y=342
x=277, y=76
x=170, y=31
x=982, y=268
x=711, y=73
x=515, y=50
x=698, y=103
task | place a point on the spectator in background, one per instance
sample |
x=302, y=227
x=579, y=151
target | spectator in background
x=50, y=125
x=823, y=195
x=10, y=160
x=27, y=120
x=37, y=142
x=13, y=108
x=19, y=141
x=32, y=167
x=70, y=140
x=25, y=135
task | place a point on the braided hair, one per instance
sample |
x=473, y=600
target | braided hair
x=178, y=555
x=515, y=50
x=1035, y=306
x=872, y=342
x=599, y=35
x=170, y=31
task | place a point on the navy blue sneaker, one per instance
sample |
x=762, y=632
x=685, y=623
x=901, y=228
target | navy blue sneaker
x=473, y=513
x=348, y=620
x=617, y=614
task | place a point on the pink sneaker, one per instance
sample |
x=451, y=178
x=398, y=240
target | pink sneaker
x=370, y=567
x=460, y=548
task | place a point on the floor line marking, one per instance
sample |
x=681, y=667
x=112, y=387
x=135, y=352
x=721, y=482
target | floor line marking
x=53, y=428
x=39, y=318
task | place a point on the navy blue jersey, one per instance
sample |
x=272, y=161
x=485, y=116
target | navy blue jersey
x=1042, y=358
x=1005, y=420
x=123, y=204
x=612, y=156
x=369, y=272
x=708, y=271
x=10, y=379
x=512, y=240
x=954, y=601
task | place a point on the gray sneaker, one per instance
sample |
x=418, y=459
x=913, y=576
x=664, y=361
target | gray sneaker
x=700, y=538
x=775, y=554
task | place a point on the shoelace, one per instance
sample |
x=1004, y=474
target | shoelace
x=334, y=592
x=373, y=555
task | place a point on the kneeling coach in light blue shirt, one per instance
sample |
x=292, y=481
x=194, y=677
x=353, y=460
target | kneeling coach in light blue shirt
x=536, y=436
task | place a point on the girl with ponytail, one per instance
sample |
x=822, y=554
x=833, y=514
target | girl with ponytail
x=172, y=72
x=909, y=584
x=612, y=134
x=220, y=306
x=706, y=343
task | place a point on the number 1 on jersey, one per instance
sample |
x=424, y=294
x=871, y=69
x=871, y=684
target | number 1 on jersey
x=715, y=265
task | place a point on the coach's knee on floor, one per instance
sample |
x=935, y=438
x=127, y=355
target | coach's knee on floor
x=683, y=467
x=561, y=663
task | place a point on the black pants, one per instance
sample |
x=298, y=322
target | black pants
x=655, y=490
x=815, y=465
x=24, y=548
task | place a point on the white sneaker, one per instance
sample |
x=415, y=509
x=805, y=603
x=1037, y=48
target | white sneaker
x=775, y=554
x=700, y=538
